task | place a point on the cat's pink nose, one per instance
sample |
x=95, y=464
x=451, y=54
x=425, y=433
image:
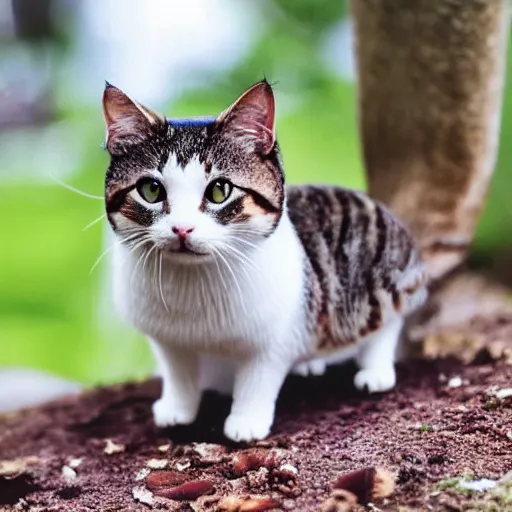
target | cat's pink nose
x=181, y=231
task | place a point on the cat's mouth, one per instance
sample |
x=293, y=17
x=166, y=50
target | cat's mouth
x=184, y=250
x=187, y=250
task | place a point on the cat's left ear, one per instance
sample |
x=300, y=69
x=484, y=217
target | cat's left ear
x=250, y=119
x=127, y=121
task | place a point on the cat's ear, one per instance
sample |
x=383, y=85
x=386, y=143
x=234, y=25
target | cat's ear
x=127, y=121
x=250, y=119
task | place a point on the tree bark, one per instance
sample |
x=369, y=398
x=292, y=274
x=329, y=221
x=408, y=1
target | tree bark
x=430, y=82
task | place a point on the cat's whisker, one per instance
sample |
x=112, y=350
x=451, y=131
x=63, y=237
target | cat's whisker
x=241, y=256
x=104, y=253
x=235, y=280
x=101, y=256
x=95, y=221
x=138, y=243
x=247, y=243
x=154, y=246
x=245, y=261
x=142, y=256
x=205, y=289
x=76, y=190
x=128, y=239
x=220, y=273
x=245, y=266
x=160, y=284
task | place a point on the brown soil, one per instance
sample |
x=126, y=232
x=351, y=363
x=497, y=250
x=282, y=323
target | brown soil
x=426, y=431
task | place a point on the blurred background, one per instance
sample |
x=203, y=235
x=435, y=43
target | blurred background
x=181, y=58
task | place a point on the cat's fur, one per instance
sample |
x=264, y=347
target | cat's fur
x=278, y=278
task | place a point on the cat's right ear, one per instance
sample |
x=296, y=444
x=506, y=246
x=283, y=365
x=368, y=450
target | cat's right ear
x=250, y=120
x=127, y=121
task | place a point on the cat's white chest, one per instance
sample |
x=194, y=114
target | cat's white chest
x=211, y=308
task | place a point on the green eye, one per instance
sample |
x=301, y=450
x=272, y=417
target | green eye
x=151, y=190
x=218, y=191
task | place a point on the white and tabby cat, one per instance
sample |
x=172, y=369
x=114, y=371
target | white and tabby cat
x=216, y=257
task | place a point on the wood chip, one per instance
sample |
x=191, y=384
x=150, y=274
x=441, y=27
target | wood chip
x=142, y=474
x=69, y=474
x=74, y=463
x=164, y=448
x=246, y=504
x=111, y=447
x=143, y=495
x=157, y=463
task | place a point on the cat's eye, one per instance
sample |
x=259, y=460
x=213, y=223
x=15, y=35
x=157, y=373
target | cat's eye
x=218, y=191
x=151, y=190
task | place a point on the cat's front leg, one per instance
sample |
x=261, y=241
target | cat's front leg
x=257, y=385
x=181, y=394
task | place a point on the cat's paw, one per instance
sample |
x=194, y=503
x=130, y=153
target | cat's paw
x=166, y=413
x=247, y=427
x=315, y=367
x=375, y=380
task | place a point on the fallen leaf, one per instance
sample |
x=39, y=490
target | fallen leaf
x=165, y=479
x=188, y=491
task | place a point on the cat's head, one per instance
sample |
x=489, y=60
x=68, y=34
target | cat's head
x=193, y=188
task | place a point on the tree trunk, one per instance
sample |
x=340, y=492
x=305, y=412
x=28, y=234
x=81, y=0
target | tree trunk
x=430, y=81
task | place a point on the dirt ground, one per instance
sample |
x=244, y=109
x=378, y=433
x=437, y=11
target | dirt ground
x=445, y=424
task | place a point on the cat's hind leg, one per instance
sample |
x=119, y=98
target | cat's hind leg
x=376, y=358
x=314, y=367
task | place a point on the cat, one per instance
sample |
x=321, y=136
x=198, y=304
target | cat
x=217, y=257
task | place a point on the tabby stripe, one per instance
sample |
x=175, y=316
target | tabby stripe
x=117, y=199
x=227, y=213
x=329, y=205
x=261, y=201
x=342, y=198
x=374, y=319
x=134, y=211
x=381, y=228
x=361, y=224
